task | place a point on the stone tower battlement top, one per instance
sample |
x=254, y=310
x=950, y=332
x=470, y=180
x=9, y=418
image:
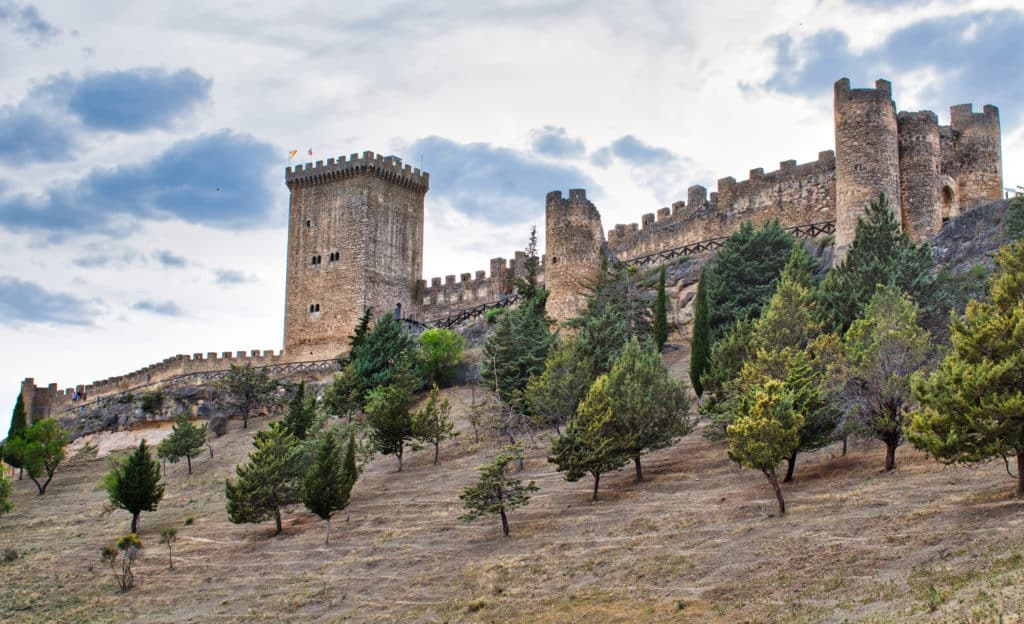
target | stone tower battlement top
x=963, y=115
x=882, y=89
x=388, y=167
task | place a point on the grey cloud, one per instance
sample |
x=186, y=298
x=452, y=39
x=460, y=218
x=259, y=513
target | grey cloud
x=554, y=141
x=107, y=260
x=168, y=259
x=228, y=277
x=162, y=308
x=26, y=21
x=23, y=302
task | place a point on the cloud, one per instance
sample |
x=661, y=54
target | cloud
x=658, y=168
x=220, y=180
x=554, y=141
x=105, y=260
x=169, y=259
x=970, y=52
x=27, y=135
x=228, y=277
x=130, y=100
x=26, y=302
x=163, y=308
x=27, y=21
x=493, y=183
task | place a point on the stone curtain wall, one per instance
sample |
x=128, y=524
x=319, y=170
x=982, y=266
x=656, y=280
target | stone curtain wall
x=978, y=153
x=440, y=299
x=793, y=195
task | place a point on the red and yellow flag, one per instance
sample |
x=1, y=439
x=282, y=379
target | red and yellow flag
x=292, y=154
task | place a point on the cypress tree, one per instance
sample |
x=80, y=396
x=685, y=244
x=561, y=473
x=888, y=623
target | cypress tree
x=661, y=313
x=18, y=419
x=700, y=341
x=267, y=482
x=300, y=414
x=134, y=484
x=11, y=451
x=328, y=483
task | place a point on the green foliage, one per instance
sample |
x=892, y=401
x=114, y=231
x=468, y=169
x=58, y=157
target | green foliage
x=133, y=484
x=553, y=396
x=660, y=330
x=882, y=351
x=301, y=413
x=359, y=336
x=649, y=407
x=342, y=397
x=496, y=492
x=700, y=340
x=391, y=423
x=1015, y=218
x=971, y=407
x=431, y=423
x=603, y=334
x=186, y=440
x=766, y=433
x=249, y=390
x=440, y=352
x=128, y=550
x=881, y=253
x=728, y=356
x=169, y=535
x=617, y=295
x=152, y=401
x=327, y=484
x=494, y=314
x=516, y=350
x=801, y=268
x=6, y=491
x=387, y=351
x=268, y=482
x=41, y=449
x=527, y=285
x=18, y=418
x=593, y=441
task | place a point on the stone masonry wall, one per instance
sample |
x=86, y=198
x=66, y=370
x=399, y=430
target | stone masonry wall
x=575, y=240
x=439, y=299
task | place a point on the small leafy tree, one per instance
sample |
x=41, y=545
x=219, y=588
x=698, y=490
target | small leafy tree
x=43, y=451
x=972, y=407
x=268, y=482
x=5, y=494
x=431, y=423
x=649, y=406
x=593, y=442
x=13, y=452
x=439, y=355
x=168, y=536
x=301, y=413
x=883, y=350
x=186, y=440
x=133, y=484
x=767, y=433
x=327, y=485
x=249, y=391
x=128, y=550
x=660, y=330
x=496, y=492
x=388, y=407
x=552, y=397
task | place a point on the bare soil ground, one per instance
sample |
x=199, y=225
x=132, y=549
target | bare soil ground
x=697, y=541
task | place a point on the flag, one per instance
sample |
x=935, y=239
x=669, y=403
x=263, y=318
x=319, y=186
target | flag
x=311, y=151
x=292, y=154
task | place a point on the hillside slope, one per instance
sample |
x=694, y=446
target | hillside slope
x=695, y=542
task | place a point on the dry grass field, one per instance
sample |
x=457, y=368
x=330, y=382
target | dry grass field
x=696, y=542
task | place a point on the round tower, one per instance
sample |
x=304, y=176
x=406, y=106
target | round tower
x=979, y=154
x=572, y=251
x=867, y=155
x=920, y=170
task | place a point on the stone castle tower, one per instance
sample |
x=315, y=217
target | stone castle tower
x=355, y=241
x=573, y=250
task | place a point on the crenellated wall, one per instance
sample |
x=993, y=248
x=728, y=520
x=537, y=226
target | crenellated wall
x=439, y=298
x=794, y=195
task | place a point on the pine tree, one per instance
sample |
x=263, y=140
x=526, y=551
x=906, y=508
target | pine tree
x=552, y=397
x=328, y=483
x=727, y=359
x=593, y=442
x=700, y=341
x=385, y=352
x=42, y=450
x=268, y=482
x=516, y=350
x=883, y=350
x=249, y=390
x=431, y=423
x=186, y=440
x=649, y=406
x=603, y=334
x=809, y=381
x=357, y=338
x=6, y=491
x=134, y=484
x=881, y=253
x=388, y=407
x=301, y=413
x=527, y=285
x=801, y=267
x=767, y=433
x=972, y=408
x=660, y=332
x=496, y=492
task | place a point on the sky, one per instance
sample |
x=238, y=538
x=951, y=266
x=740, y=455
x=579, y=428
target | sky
x=143, y=210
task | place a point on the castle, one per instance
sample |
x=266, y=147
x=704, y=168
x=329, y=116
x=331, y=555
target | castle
x=355, y=227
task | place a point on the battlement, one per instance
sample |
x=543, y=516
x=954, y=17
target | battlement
x=438, y=298
x=881, y=91
x=387, y=167
x=962, y=115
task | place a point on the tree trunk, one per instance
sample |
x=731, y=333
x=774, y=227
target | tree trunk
x=789, y=469
x=890, y=456
x=188, y=459
x=245, y=421
x=437, y=445
x=210, y=448
x=597, y=479
x=327, y=532
x=277, y=520
x=504, y=522
x=1020, y=474
x=21, y=473
x=170, y=561
x=639, y=470
x=135, y=521
x=845, y=438
x=399, y=456
x=770, y=474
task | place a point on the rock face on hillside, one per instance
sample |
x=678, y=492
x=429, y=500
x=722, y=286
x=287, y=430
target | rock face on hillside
x=972, y=238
